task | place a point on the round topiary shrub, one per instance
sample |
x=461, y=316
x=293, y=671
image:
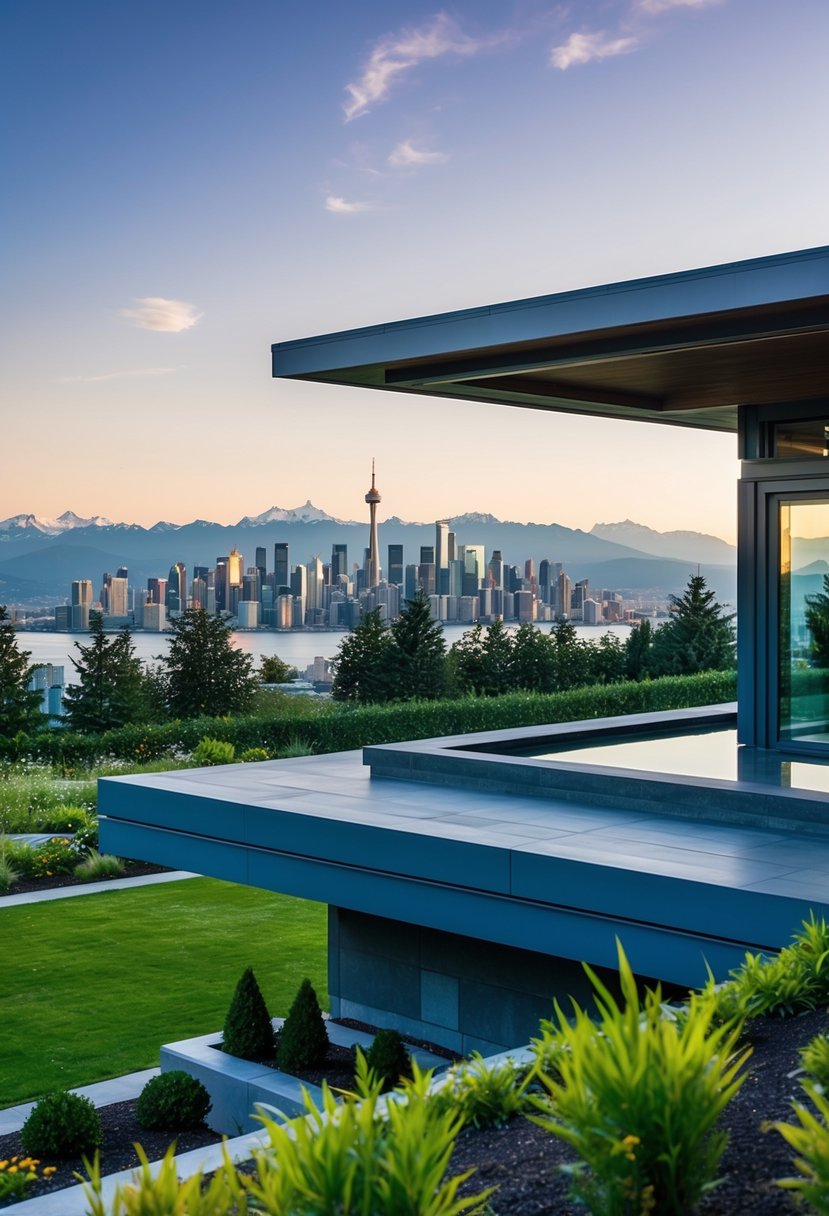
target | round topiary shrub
x=248, y=1032
x=61, y=1125
x=388, y=1058
x=173, y=1102
x=303, y=1039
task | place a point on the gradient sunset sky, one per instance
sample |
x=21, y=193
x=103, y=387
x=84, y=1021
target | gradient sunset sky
x=187, y=181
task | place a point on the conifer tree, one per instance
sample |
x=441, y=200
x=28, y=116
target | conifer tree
x=533, y=660
x=698, y=637
x=361, y=666
x=303, y=1039
x=19, y=708
x=110, y=691
x=248, y=1032
x=638, y=650
x=204, y=672
x=418, y=653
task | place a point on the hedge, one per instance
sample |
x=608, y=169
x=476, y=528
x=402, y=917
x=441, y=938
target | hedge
x=348, y=727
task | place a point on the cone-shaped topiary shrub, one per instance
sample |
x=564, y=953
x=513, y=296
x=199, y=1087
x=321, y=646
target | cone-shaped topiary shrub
x=173, y=1102
x=61, y=1125
x=247, y=1030
x=388, y=1058
x=303, y=1039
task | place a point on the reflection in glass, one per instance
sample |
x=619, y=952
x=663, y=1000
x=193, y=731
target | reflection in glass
x=801, y=439
x=804, y=621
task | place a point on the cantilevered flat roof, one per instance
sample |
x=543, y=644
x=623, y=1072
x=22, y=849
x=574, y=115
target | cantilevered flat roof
x=685, y=349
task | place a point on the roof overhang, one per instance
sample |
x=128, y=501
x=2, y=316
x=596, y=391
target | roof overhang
x=685, y=349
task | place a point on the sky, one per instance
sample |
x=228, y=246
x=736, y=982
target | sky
x=188, y=181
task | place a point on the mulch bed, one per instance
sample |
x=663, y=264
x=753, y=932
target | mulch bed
x=132, y=869
x=522, y=1159
x=121, y=1129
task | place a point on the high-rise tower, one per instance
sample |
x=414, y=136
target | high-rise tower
x=372, y=498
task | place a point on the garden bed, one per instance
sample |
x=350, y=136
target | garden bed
x=522, y=1159
x=132, y=869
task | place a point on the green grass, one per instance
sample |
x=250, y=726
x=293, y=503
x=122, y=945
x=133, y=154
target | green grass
x=93, y=985
x=29, y=794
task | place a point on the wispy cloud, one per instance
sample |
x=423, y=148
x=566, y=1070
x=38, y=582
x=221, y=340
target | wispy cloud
x=583, y=48
x=163, y=315
x=341, y=206
x=662, y=6
x=396, y=53
x=131, y=374
x=405, y=155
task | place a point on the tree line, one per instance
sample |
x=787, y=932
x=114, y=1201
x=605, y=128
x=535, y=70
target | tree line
x=408, y=659
x=204, y=674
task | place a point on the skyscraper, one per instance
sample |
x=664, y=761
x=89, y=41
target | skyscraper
x=395, y=572
x=176, y=599
x=339, y=562
x=372, y=498
x=442, y=544
x=281, y=569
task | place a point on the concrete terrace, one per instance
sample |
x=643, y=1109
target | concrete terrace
x=558, y=875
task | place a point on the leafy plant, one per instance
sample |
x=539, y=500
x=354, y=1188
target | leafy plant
x=814, y=1058
x=62, y=1124
x=248, y=1032
x=55, y=856
x=295, y=747
x=388, y=1059
x=85, y=839
x=16, y=1176
x=303, y=1039
x=810, y=1141
x=346, y=1160
x=160, y=1190
x=100, y=865
x=781, y=985
x=252, y=755
x=486, y=1096
x=638, y=1097
x=214, y=751
x=8, y=875
x=174, y=1101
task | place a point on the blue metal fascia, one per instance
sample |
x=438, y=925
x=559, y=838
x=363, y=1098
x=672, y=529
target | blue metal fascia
x=757, y=282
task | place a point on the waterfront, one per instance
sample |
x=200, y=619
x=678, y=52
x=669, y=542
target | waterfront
x=299, y=647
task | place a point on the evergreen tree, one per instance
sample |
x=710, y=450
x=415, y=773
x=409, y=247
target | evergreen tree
x=110, y=691
x=418, y=653
x=273, y=670
x=203, y=671
x=533, y=660
x=361, y=665
x=248, y=1032
x=303, y=1039
x=638, y=650
x=464, y=662
x=698, y=637
x=19, y=708
x=607, y=660
x=572, y=656
x=817, y=622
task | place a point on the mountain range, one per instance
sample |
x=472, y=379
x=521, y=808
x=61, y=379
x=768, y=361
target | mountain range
x=40, y=557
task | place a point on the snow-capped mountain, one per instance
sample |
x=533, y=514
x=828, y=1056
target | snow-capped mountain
x=307, y=514
x=17, y=524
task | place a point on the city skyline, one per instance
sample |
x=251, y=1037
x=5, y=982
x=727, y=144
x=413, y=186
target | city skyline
x=355, y=166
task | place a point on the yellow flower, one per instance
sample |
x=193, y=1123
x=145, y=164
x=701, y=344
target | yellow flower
x=49, y=1170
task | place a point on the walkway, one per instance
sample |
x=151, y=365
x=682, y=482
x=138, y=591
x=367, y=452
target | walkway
x=91, y=888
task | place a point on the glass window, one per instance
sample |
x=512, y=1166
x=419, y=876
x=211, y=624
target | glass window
x=801, y=439
x=804, y=620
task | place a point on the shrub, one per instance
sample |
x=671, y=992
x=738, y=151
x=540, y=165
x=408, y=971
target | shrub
x=815, y=1060
x=62, y=1124
x=100, y=865
x=810, y=1141
x=638, y=1098
x=175, y=1101
x=85, y=839
x=388, y=1058
x=253, y=755
x=214, y=751
x=303, y=1039
x=295, y=747
x=248, y=1032
x=793, y=981
x=65, y=819
x=55, y=856
x=157, y=1189
x=486, y=1096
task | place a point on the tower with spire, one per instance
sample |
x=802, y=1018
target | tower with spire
x=372, y=498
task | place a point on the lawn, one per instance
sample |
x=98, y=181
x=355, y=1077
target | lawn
x=93, y=985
